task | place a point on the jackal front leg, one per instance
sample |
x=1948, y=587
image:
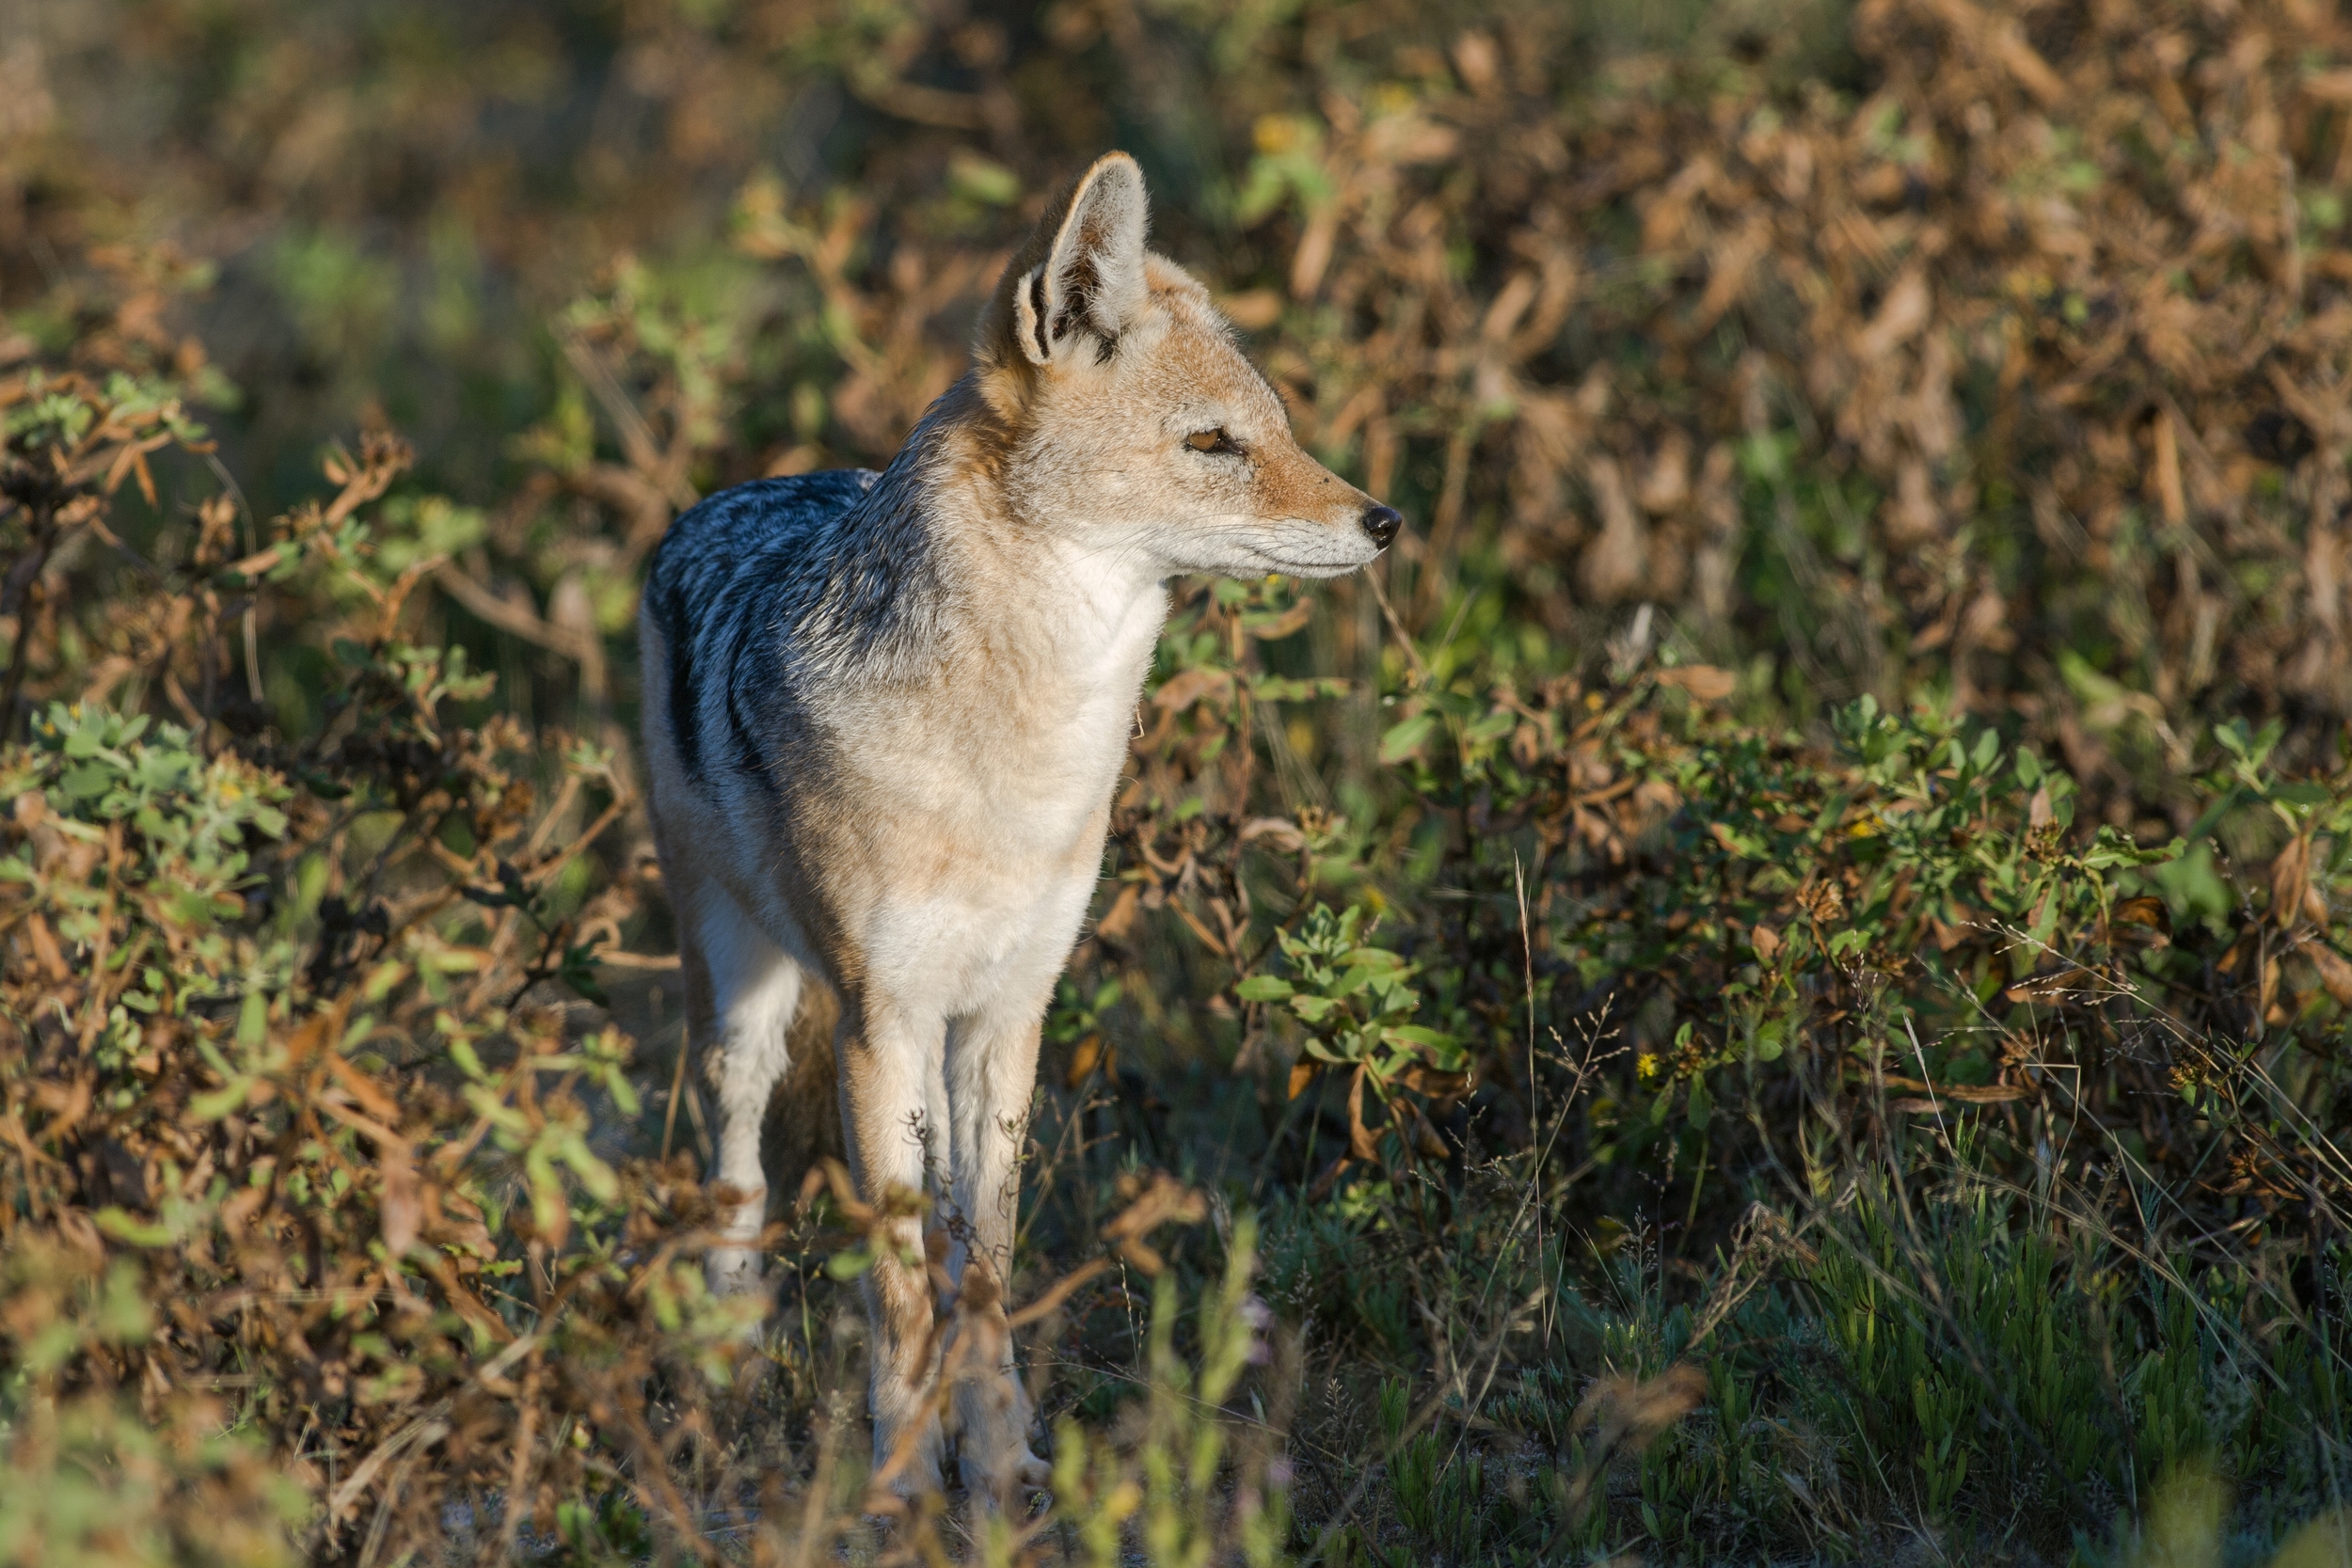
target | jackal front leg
x=893, y=1117
x=991, y=1073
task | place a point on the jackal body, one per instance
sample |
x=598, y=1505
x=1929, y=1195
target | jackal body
x=885, y=716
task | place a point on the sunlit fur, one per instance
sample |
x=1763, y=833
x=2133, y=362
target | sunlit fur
x=884, y=715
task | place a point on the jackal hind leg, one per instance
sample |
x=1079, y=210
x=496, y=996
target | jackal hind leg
x=749, y=991
x=991, y=1073
x=894, y=1121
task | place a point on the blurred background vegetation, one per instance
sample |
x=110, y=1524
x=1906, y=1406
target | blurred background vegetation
x=1776, y=981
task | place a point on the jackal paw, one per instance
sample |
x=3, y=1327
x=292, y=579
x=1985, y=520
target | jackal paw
x=1005, y=1476
x=732, y=1271
x=914, y=1472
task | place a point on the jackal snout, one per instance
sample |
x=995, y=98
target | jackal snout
x=1135, y=425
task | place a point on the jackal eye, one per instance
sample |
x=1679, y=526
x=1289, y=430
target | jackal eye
x=1212, y=441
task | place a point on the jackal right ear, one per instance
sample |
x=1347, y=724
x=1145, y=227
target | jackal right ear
x=1080, y=275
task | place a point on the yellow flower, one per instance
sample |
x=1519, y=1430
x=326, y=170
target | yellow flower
x=1647, y=1064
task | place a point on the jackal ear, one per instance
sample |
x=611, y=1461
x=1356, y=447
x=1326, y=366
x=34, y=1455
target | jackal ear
x=1083, y=275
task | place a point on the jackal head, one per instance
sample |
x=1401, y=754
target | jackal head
x=1132, y=424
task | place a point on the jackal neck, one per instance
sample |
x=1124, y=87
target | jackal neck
x=953, y=579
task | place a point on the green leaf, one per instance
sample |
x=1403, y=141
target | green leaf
x=2112, y=848
x=1403, y=740
x=1262, y=988
x=124, y=1226
x=594, y=1173
x=212, y=1104
x=88, y=782
x=1494, y=727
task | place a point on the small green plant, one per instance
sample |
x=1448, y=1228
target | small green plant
x=1354, y=1006
x=1441, y=1490
x=1185, y=1486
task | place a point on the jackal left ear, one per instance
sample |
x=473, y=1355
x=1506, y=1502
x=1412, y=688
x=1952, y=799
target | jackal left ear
x=1091, y=282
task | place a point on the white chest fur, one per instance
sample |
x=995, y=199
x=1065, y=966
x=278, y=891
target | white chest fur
x=984, y=797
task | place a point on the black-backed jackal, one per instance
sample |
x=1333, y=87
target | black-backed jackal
x=884, y=715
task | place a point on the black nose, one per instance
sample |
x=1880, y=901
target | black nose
x=1382, y=522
